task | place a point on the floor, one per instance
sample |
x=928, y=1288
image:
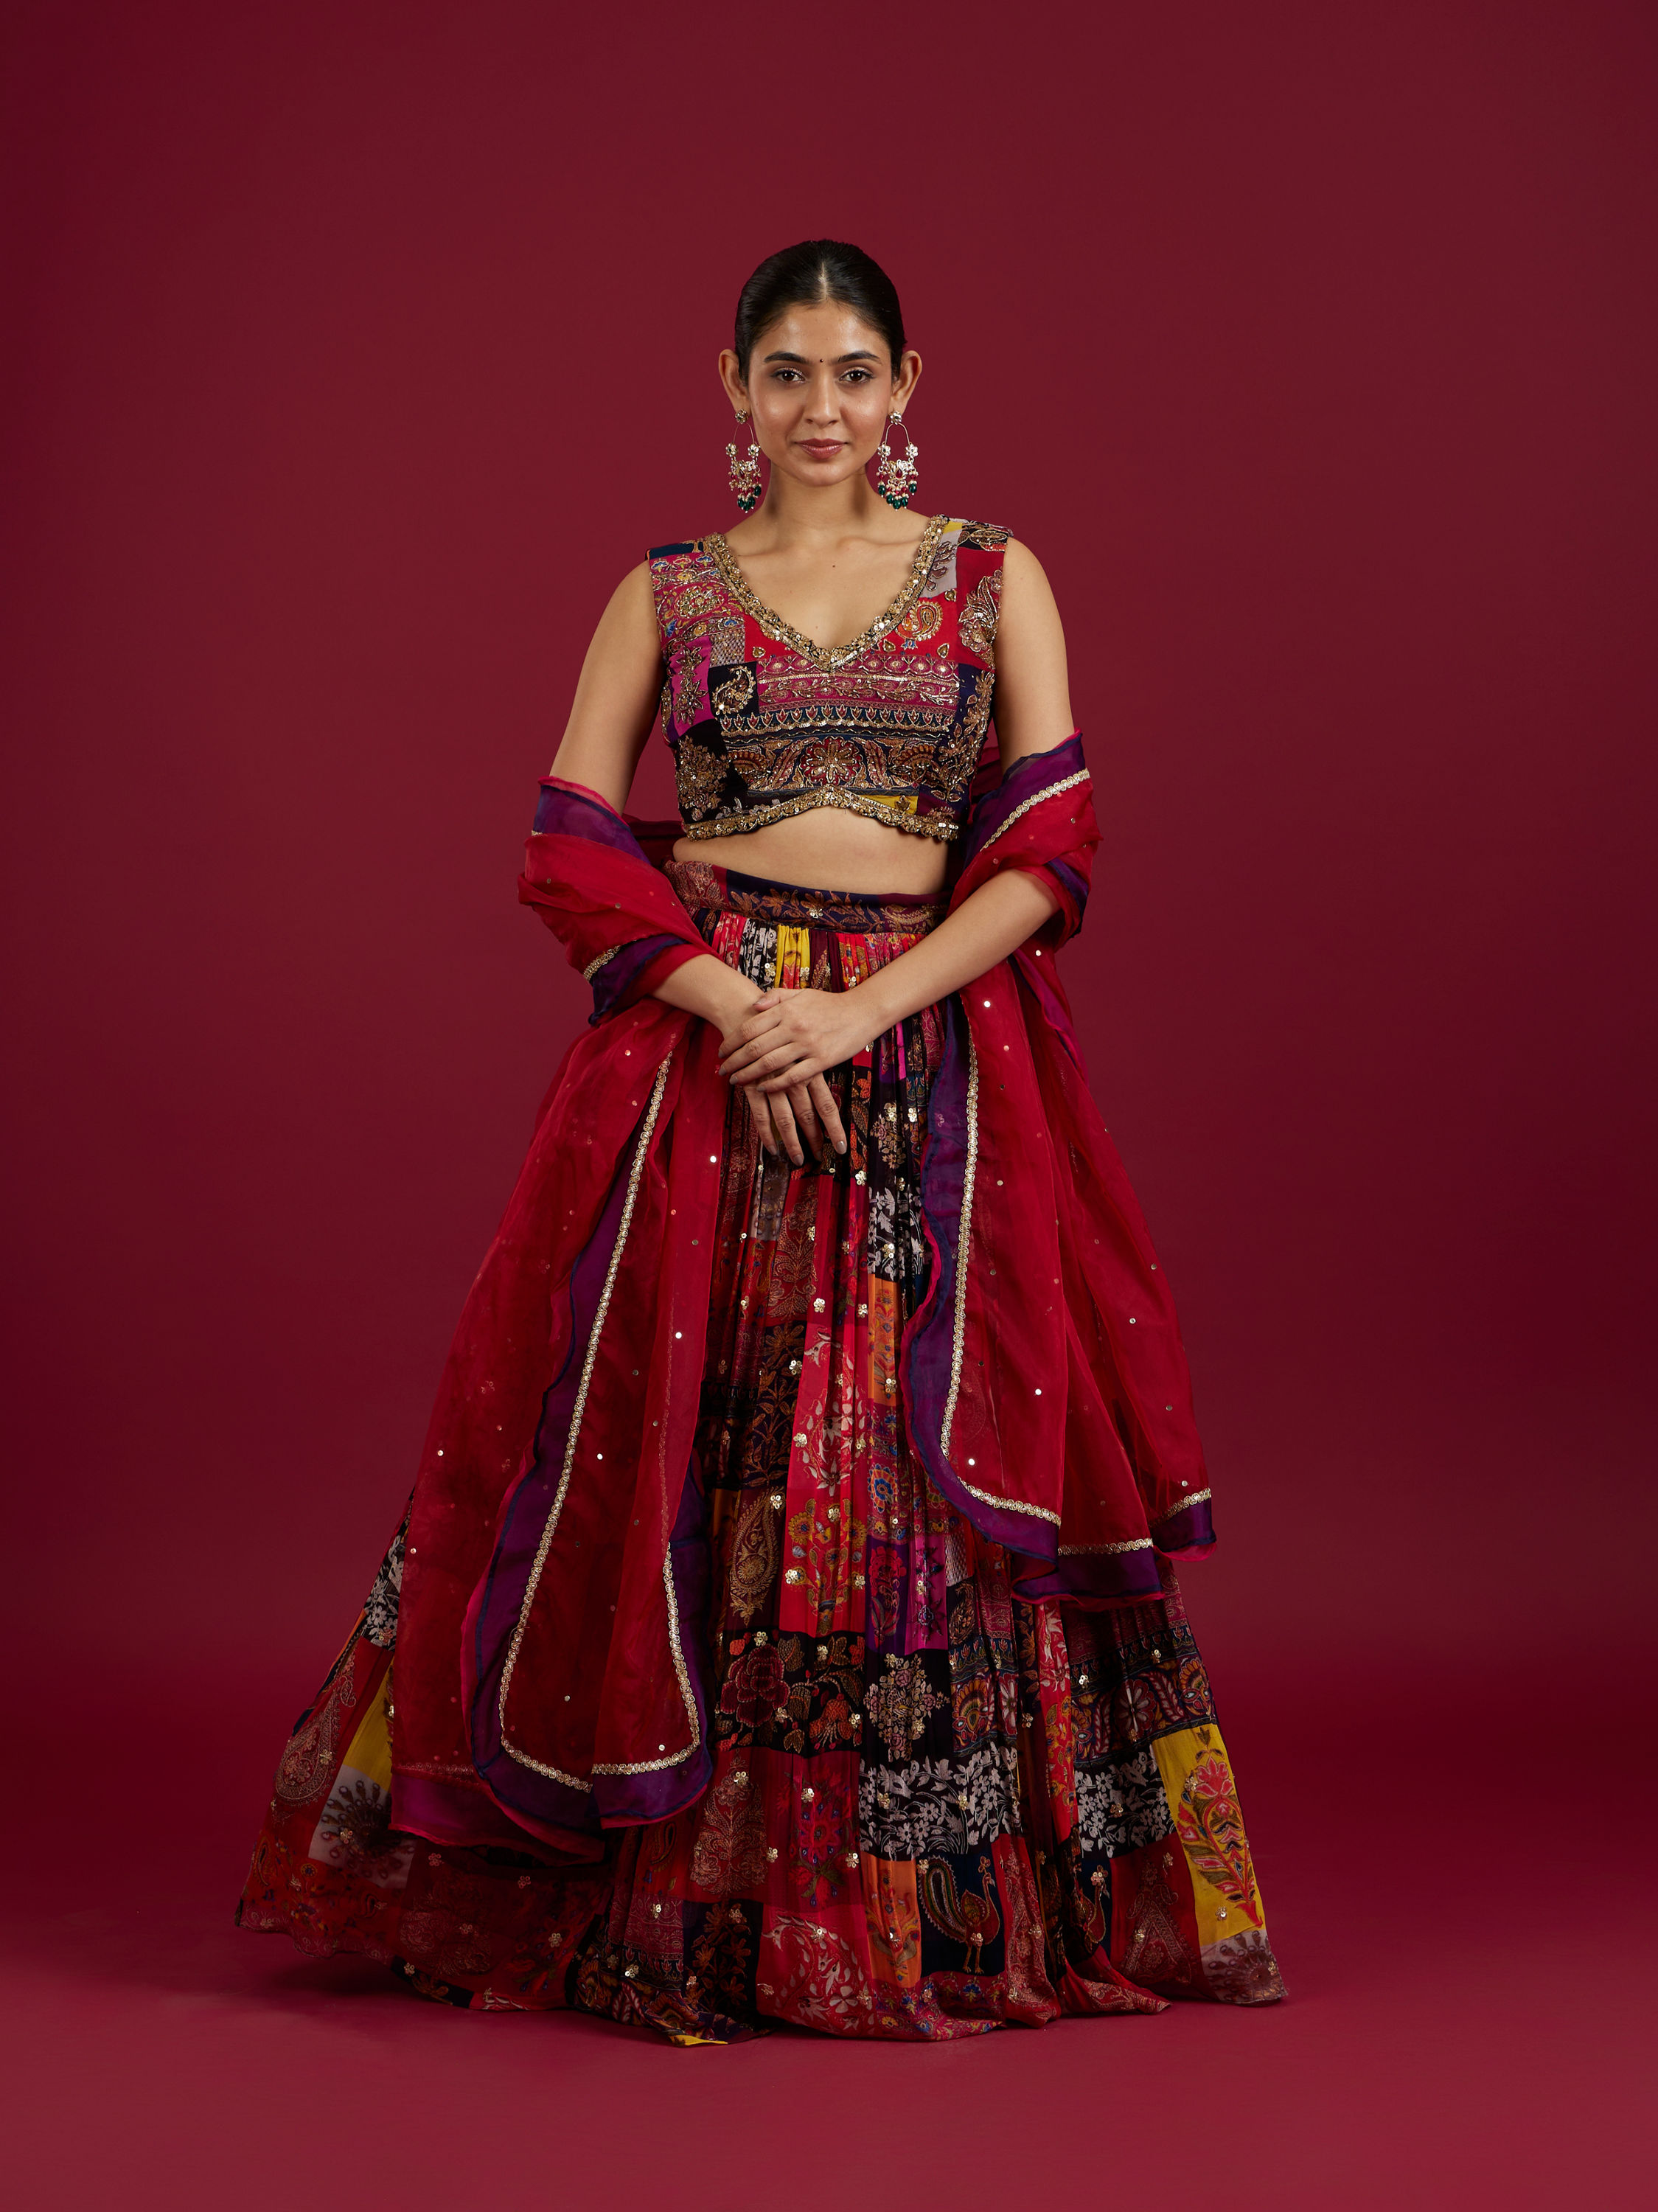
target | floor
x=1469, y=2022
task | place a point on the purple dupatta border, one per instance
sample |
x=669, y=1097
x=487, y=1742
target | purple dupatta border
x=537, y=1801
x=564, y=810
x=929, y=1344
x=1029, y=778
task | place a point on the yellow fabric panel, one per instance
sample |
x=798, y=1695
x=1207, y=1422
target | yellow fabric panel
x=793, y=957
x=1197, y=1780
x=370, y=1751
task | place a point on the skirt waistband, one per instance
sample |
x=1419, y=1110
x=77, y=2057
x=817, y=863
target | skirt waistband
x=704, y=888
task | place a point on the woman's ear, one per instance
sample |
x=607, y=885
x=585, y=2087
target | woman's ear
x=909, y=376
x=731, y=379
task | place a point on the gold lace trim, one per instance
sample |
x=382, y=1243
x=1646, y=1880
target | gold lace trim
x=959, y=1331
x=963, y=1238
x=936, y=826
x=1066, y=783
x=575, y=1780
x=827, y=657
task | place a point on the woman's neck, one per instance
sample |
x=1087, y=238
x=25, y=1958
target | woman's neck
x=809, y=514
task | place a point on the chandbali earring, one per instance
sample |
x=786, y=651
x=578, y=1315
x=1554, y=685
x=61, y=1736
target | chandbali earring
x=744, y=474
x=895, y=473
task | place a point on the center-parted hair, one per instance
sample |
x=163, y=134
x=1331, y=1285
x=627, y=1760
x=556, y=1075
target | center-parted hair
x=806, y=275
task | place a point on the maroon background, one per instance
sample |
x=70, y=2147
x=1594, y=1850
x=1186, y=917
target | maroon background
x=355, y=352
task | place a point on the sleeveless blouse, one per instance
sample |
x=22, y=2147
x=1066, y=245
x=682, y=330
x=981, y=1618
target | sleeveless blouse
x=765, y=723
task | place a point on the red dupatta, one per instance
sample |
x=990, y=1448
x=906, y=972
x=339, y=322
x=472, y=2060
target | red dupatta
x=551, y=1670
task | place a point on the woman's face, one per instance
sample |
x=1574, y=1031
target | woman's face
x=819, y=391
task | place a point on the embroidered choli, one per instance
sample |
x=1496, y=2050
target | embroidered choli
x=764, y=723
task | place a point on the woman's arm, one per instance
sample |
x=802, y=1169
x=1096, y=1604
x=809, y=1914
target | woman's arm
x=791, y=1036
x=609, y=724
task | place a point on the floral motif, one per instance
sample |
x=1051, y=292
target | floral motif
x=1121, y=1806
x=379, y=1612
x=928, y=1806
x=1212, y=1828
x=900, y=1703
x=753, y=1685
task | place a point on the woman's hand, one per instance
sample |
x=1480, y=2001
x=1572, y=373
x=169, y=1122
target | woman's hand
x=778, y=1053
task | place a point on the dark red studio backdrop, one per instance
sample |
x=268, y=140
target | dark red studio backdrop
x=352, y=353
x=356, y=353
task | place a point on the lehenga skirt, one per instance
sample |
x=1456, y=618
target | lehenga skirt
x=935, y=1808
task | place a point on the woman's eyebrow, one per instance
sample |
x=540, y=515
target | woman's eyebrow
x=863, y=353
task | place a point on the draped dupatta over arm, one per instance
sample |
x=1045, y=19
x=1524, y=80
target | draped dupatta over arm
x=552, y=1673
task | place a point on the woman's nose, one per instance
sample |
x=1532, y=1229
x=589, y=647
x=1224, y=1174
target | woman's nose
x=823, y=401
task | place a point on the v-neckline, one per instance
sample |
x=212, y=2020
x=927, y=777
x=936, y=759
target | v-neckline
x=828, y=657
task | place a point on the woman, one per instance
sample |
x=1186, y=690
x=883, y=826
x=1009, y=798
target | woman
x=785, y=1629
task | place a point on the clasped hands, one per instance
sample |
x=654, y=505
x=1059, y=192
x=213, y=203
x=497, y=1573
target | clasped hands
x=776, y=1053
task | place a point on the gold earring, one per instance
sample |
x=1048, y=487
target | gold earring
x=744, y=474
x=895, y=473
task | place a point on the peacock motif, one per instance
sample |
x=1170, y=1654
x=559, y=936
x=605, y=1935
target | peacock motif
x=967, y=1916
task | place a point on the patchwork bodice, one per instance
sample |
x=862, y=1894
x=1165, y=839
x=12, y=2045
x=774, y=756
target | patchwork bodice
x=764, y=723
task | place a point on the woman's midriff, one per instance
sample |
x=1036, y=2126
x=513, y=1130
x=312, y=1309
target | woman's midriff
x=830, y=847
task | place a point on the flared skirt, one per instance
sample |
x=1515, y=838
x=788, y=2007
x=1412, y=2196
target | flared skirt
x=935, y=1808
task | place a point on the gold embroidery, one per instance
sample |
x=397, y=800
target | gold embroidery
x=634, y=1177
x=826, y=656
x=911, y=680
x=778, y=768
x=984, y=536
x=958, y=757
x=593, y=966
x=1133, y=1544
x=981, y=612
x=936, y=826
x=899, y=721
x=733, y=692
x=754, y=1556
x=962, y=1241
x=1009, y=1504
x=700, y=773
x=1064, y=784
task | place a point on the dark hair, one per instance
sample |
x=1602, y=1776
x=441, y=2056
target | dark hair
x=804, y=276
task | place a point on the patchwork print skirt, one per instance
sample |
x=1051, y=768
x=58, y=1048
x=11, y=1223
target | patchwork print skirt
x=935, y=1808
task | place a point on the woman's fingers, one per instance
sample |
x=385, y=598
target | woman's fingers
x=760, y=1114
x=804, y=1110
x=748, y=1048
x=752, y=1024
x=787, y=1078
x=782, y=1121
x=828, y=1112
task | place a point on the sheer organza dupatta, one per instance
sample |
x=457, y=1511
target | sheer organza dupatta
x=1045, y=1381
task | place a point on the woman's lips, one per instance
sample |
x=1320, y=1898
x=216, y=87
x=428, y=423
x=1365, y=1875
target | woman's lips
x=823, y=449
